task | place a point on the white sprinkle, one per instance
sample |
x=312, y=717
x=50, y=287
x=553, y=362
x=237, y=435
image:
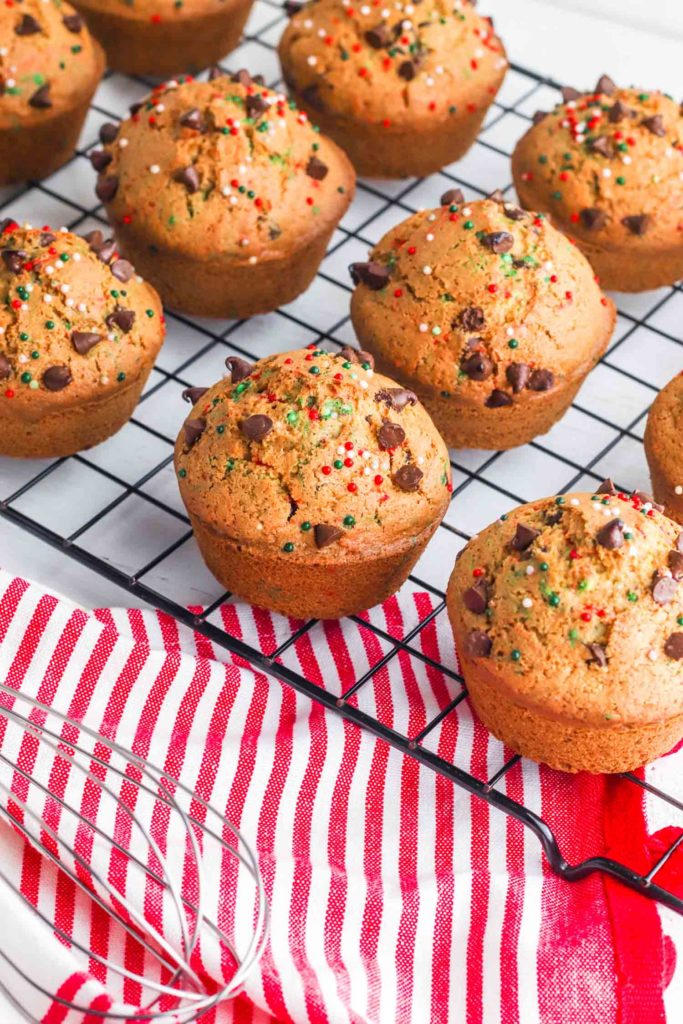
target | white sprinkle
x=427, y=270
x=233, y=200
x=252, y=260
x=367, y=471
x=308, y=23
x=160, y=108
x=626, y=160
x=47, y=299
x=365, y=9
x=432, y=216
x=104, y=379
x=82, y=308
x=244, y=241
x=606, y=172
x=420, y=460
x=69, y=303
x=23, y=359
x=678, y=489
x=606, y=510
x=123, y=143
x=575, y=502
x=527, y=602
x=510, y=331
x=49, y=269
x=429, y=80
x=530, y=570
x=259, y=526
x=76, y=257
x=340, y=449
x=653, y=655
x=312, y=60
x=430, y=237
x=423, y=328
x=375, y=463
x=225, y=191
x=154, y=169
x=64, y=288
x=364, y=385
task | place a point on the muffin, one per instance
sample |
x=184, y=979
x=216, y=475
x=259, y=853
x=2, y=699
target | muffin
x=608, y=167
x=402, y=90
x=79, y=331
x=50, y=67
x=568, y=619
x=312, y=483
x=488, y=313
x=223, y=195
x=186, y=35
x=664, y=447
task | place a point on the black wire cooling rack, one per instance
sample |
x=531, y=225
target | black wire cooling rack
x=601, y=435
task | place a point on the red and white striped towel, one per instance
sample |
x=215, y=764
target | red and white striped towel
x=395, y=898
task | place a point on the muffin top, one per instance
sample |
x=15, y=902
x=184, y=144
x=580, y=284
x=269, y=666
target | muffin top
x=314, y=455
x=608, y=165
x=575, y=604
x=48, y=59
x=225, y=166
x=75, y=321
x=665, y=428
x=480, y=301
x=393, y=65
x=155, y=11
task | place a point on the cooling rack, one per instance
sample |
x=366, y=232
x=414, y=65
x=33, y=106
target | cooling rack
x=115, y=509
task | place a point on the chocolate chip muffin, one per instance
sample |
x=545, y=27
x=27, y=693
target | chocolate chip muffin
x=312, y=483
x=664, y=447
x=488, y=313
x=79, y=332
x=608, y=167
x=50, y=67
x=568, y=619
x=143, y=37
x=403, y=90
x=223, y=195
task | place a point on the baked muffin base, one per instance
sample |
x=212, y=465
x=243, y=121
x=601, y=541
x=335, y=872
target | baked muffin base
x=378, y=152
x=663, y=488
x=220, y=287
x=633, y=268
x=141, y=47
x=326, y=590
x=68, y=430
x=565, y=745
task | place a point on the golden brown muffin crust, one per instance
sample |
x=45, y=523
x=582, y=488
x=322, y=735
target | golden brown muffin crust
x=48, y=60
x=393, y=64
x=153, y=11
x=608, y=166
x=664, y=446
x=74, y=325
x=575, y=606
x=224, y=167
x=314, y=455
x=482, y=302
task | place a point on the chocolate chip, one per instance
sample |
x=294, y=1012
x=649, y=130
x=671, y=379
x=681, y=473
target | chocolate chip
x=477, y=366
x=41, y=98
x=592, y=218
x=239, y=368
x=193, y=119
x=135, y=107
x=106, y=250
x=14, y=259
x=611, y=535
x=498, y=241
x=255, y=105
x=256, y=427
x=517, y=376
x=476, y=598
x=676, y=564
x=5, y=367
x=453, y=197
x=397, y=398
x=553, y=518
x=496, y=196
x=408, y=477
x=674, y=646
x=379, y=36
x=513, y=213
x=291, y=8
x=541, y=380
x=540, y=115
x=325, y=534
x=407, y=70
x=357, y=355
x=655, y=124
x=316, y=169
x=606, y=487
x=106, y=188
x=95, y=239
x=192, y=395
x=470, y=319
x=478, y=644
x=215, y=72
x=56, y=378
x=664, y=587
x=390, y=435
x=637, y=224
x=618, y=112
x=601, y=145
x=524, y=537
x=99, y=159
x=72, y=22
x=569, y=94
x=373, y=274
x=187, y=176
x=122, y=270
x=242, y=77
x=121, y=318
x=606, y=86
x=193, y=430
x=598, y=655
x=83, y=341
x=28, y=26
x=46, y=238
x=498, y=399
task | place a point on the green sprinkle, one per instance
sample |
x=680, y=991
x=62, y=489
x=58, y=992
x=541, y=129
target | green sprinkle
x=544, y=567
x=515, y=654
x=349, y=521
x=503, y=517
x=436, y=331
x=346, y=366
x=241, y=387
x=64, y=257
x=23, y=336
x=621, y=180
x=120, y=376
x=628, y=536
x=513, y=343
x=251, y=195
x=292, y=416
x=559, y=501
x=679, y=620
x=305, y=526
x=182, y=473
x=50, y=324
x=468, y=225
x=632, y=596
x=543, y=159
x=595, y=497
x=114, y=294
x=642, y=96
x=26, y=377
x=220, y=429
x=554, y=600
x=288, y=547
x=315, y=370
x=573, y=634
x=366, y=366
x=582, y=584
x=337, y=463
x=556, y=195
x=149, y=313
x=230, y=465
x=35, y=354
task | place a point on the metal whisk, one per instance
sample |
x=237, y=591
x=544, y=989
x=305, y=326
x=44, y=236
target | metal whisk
x=178, y=884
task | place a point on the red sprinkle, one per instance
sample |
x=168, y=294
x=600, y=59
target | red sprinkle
x=326, y=470
x=378, y=480
x=353, y=488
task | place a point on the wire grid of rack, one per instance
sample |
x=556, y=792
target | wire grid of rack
x=115, y=509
